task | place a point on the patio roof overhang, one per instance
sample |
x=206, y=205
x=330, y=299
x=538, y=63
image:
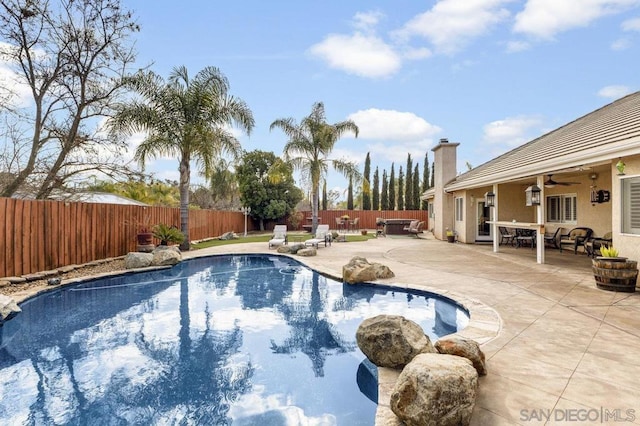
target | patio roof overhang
x=497, y=171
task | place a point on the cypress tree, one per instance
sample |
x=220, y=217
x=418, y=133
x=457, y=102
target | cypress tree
x=425, y=178
x=392, y=189
x=324, y=195
x=433, y=172
x=384, y=193
x=400, y=200
x=366, y=187
x=408, y=187
x=350, y=195
x=375, y=195
x=416, y=187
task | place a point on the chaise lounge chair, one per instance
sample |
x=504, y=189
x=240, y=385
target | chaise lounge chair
x=322, y=236
x=279, y=236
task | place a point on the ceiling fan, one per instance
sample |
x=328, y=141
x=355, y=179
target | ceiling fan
x=550, y=183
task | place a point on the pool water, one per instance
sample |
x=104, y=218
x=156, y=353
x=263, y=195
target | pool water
x=248, y=340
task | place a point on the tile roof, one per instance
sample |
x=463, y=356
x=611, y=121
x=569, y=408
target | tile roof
x=609, y=132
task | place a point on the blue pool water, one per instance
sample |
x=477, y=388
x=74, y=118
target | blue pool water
x=242, y=340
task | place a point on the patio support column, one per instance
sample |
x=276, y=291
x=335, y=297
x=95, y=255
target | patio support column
x=540, y=220
x=494, y=218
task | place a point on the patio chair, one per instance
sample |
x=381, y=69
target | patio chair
x=575, y=238
x=322, y=236
x=552, y=239
x=417, y=229
x=340, y=224
x=592, y=246
x=506, y=237
x=279, y=236
x=525, y=237
x=355, y=224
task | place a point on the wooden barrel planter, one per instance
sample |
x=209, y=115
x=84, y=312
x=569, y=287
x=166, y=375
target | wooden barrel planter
x=615, y=273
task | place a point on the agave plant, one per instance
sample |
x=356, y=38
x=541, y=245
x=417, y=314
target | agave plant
x=608, y=251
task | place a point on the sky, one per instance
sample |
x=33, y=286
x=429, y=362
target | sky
x=489, y=74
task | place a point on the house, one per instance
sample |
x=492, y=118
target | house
x=585, y=173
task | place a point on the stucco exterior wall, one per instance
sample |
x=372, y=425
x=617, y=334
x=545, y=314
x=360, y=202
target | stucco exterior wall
x=511, y=204
x=627, y=244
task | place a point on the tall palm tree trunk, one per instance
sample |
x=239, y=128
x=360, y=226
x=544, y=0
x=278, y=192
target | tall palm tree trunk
x=185, y=174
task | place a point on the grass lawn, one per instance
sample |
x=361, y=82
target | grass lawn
x=264, y=238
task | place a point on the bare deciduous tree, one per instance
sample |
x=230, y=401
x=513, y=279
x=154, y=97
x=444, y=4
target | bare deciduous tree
x=71, y=56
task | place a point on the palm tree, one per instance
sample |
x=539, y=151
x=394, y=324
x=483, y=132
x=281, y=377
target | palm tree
x=309, y=146
x=185, y=118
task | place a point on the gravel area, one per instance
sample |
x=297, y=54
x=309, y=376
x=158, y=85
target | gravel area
x=79, y=271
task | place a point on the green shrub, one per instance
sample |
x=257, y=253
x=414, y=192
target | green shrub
x=167, y=234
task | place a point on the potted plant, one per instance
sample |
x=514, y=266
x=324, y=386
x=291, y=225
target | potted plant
x=613, y=272
x=451, y=236
x=167, y=234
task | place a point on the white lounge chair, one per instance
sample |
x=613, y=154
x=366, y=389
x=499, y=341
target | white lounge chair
x=279, y=236
x=322, y=236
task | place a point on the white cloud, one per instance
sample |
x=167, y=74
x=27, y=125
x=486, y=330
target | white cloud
x=392, y=125
x=452, y=24
x=511, y=131
x=546, y=18
x=366, y=21
x=359, y=54
x=631, y=25
x=517, y=46
x=614, y=92
x=13, y=90
x=621, y=44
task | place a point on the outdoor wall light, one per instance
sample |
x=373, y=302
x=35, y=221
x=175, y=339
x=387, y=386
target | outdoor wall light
x=533, y=195
x=490, y=199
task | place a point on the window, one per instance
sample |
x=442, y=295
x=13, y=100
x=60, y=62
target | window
x=459, y=211
x=562, y=208
x=631, y=205
x=430, y=207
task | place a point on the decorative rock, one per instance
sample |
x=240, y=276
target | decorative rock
x=8, y=308
x=4, y=283
x=16, y=280
x=309, y=251
x=68, y=268
x=359, y=270
x=465, y=348
x=284, y=249
x=135, y=260
x=53, y=281
x=34, y=277
x=166, y=256
x=295, y=248
x=229, y=236
x=392, y=340
x=145, y=248
x=435, y=389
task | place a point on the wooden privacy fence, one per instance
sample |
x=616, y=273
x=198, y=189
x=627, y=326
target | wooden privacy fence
x=40, y=235
x=367, y=217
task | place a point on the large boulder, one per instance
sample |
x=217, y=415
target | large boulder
x=295, y=248
x=360, y=270
x=435, y=390
x=8, y=308
x=392, y=340
x=308, y=251
x=166, y=256
x=283, y=249
x=134, y=260
x=465, y=348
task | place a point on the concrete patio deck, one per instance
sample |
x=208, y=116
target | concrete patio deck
x=558, y=349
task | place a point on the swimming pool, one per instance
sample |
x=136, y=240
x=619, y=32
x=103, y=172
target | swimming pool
x=244, y=339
